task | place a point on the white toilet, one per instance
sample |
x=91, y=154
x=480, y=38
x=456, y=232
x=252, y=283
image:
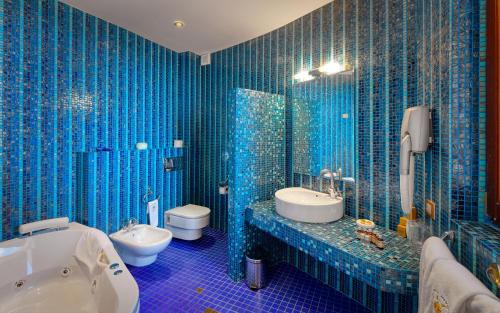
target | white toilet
x=186, y=222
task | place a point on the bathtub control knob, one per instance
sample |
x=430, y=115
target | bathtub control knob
x=114, y=266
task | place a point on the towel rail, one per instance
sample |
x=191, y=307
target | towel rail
x=148, y=193
x=448, y=236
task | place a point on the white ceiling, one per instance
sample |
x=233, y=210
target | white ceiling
x=211, y=25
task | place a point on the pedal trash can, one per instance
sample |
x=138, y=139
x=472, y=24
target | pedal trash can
x=255, y=270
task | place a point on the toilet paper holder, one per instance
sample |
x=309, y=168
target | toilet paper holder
x=224, y=187
x=172, y=164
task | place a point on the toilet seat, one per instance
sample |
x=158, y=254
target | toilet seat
x=190, y=211
x=186, y=222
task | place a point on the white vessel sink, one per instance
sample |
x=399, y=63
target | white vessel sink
x=308, y=206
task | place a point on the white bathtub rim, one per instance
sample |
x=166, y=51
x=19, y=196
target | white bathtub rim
x=123, y=284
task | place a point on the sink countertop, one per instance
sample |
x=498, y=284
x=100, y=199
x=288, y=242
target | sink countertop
x=394, y=269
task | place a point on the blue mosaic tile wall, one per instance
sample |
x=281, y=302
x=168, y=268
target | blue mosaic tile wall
x=76, y=88
x=257, y=162
x=477, y=246
x=404, y=53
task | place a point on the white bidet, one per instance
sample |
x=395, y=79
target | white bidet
x=139, y=245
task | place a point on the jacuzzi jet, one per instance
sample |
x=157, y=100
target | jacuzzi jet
x=65, y=272
x=19, y=284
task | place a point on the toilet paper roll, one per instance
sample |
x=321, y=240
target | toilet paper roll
x=223, y=190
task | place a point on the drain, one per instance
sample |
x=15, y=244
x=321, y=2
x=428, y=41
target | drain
x=65, y=272
x=19, y=284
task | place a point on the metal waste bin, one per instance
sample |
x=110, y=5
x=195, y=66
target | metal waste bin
x=255, y=270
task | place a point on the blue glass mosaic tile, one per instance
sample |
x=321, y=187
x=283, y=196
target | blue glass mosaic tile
x=191, y=277
x=404, y=53
x=257, y=162
x=477, y=246
x=77, y=93
x=74, y=84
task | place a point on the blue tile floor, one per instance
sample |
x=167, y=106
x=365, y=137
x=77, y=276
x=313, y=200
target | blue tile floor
x=191, y=277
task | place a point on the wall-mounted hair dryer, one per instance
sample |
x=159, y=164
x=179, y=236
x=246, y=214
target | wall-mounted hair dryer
x=415, y=138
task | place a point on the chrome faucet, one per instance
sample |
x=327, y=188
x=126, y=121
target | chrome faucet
x=334, y=192
x=131, y=223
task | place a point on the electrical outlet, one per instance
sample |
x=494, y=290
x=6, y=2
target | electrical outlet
x=430, y=209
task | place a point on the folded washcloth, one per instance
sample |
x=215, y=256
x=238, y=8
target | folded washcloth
x=450, y=287
x=153, y=212
x=88, y=252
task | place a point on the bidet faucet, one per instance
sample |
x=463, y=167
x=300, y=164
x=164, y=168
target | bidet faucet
x=130, y=224
x=334, y=193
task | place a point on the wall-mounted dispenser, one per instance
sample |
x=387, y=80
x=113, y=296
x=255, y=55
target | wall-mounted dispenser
x=415, y=138
x=168, y=164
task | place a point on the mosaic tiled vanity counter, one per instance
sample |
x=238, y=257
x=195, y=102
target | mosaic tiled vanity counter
x=393, y=269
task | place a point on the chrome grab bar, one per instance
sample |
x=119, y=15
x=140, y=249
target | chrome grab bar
x=50, y=224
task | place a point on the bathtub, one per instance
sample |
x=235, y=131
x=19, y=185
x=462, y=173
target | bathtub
x=39, y=274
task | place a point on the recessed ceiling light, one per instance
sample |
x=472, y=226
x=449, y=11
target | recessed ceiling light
x=179, y=24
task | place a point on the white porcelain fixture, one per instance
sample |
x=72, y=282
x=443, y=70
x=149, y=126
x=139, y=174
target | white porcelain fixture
x=186, y=222
x=308, y=206
x=40, y=274
x=140, y=245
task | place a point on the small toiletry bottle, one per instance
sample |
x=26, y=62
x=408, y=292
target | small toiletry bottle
x=401, y=228
x=413, y=231
x=412, y=227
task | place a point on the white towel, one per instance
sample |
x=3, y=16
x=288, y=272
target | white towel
x=483, y=304
x=450, y=287
x=433, y=249
x=446, y=286
x=153, y=212
x=88, y=251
